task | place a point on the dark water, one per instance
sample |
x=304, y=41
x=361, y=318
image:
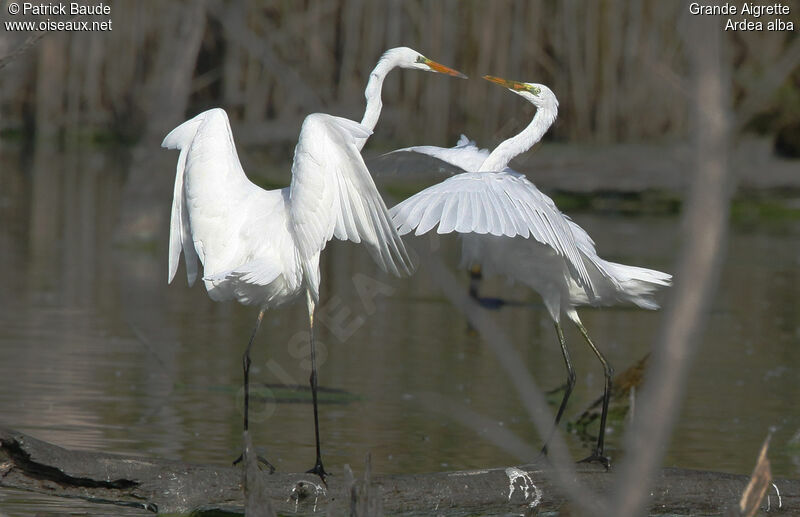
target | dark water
x=97, y=352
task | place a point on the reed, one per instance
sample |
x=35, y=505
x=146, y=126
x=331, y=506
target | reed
x=616, y=65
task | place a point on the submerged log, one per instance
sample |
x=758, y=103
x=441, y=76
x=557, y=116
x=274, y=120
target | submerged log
x=173, y=487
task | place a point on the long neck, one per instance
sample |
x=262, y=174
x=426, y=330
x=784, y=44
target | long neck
x=373, y=95
x=516, y=145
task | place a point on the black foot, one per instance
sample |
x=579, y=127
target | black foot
x=596, y=457
x=262, y=460
x=320, y=471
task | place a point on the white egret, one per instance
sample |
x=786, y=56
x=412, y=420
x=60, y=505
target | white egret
x=512, y=229
x=263, y=247
x=402, y=57
x=247, y=244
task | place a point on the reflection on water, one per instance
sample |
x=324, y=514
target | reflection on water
x=98, y=352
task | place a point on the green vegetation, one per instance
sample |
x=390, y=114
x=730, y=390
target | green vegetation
x=763, y=208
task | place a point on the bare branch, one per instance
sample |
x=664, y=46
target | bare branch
x=705, y=228
x=526, y=388
x=28, y=43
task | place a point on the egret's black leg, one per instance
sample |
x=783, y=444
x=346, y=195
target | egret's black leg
x=608, y=371
x=246, y=367
x=567, y=387
x=318, y=469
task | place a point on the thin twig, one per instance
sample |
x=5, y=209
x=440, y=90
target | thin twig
x=28, y=43
x=705, y=228
x=529, y=393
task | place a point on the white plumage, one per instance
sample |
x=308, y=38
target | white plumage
x=499, y=204
x=466, y=154
x=259, y=246
x=539, y=267
x=508, y=227
x=263, y=247
x=402, y=57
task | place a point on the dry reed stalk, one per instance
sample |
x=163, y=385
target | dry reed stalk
x=615, y=65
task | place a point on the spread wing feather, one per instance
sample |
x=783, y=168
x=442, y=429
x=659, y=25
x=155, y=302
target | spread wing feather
x=503, y=203
x=332, y=195
x=465, y=155
x=180, y=237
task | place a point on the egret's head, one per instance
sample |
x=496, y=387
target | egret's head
x=538, y=94
x=405, y=57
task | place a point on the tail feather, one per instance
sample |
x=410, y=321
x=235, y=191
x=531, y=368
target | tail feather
x=637, y=284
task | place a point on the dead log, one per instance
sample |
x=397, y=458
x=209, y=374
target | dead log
x=175, y=487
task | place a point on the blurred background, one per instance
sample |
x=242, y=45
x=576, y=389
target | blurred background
x=97, y=352
x=617, y=66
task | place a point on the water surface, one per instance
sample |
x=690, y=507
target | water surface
x=97, y=352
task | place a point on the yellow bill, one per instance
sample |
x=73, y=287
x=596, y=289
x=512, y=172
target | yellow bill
x=512, y=85
x=438, y=67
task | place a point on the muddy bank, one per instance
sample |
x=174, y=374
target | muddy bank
x=162, y=486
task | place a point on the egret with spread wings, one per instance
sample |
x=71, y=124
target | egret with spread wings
x=510, y=228
x=262, y=247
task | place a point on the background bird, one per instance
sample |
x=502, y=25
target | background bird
x=512, y=229
x=263, y=247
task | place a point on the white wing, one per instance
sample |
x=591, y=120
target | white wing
x=465, y=155
x=503, y=203
x=218, y=215
x=582, y=239
x=332, y=194
x=179, y=233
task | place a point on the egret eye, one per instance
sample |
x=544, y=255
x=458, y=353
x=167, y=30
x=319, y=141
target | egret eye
x=547, y=252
